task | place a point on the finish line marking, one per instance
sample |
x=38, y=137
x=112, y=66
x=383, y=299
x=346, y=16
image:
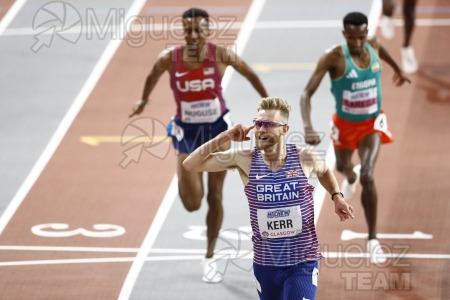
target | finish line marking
x=169, y=27
x=416, y=235
x=192, y=255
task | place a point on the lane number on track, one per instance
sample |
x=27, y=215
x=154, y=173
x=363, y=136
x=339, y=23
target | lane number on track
x=59, y=230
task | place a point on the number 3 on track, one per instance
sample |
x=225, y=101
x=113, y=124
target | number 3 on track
x=62, y=230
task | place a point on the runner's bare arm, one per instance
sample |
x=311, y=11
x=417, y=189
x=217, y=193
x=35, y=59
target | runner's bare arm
x=312, y=162
x=205, y=159
x=230, y=58
x=323, y=66
x=161, y=65
x=399, y=77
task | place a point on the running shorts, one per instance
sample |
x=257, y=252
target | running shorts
x=292, y=282
x=347, y=134
x=186, y=137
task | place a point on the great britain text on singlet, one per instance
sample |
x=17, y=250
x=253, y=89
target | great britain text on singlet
x=277, y=192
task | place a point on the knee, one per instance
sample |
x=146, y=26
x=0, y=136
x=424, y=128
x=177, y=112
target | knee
x=366, y=179
x=214, y=199
x=191, y=206
x=341, y=167
x=191, y=203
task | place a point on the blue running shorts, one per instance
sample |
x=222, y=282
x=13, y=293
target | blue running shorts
x=287, y=283
x=186, y=137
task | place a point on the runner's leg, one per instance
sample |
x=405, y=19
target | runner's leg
x=301, y=283
x=409, y=7
x=344, y=164
x=190, y=185
x=388, y=7
x=386, y=22
x=368, y=152
x=214, y=215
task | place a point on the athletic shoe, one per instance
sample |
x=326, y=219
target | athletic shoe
x=210, y=271
x=349, y=189
x=387, y=27
x=376, y=253
x=409, y=61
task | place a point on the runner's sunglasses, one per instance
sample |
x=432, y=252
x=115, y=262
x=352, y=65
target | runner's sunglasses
x=266, y=124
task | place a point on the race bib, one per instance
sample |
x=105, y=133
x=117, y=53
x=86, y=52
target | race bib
x=380, y=123
x=174, y=130
x=315, y=276
x=363, y=102
x=334, y=132
x=280, y=222
x=204, y=111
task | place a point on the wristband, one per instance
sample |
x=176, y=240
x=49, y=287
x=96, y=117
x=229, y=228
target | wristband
x=337, y=193
x=142, y=102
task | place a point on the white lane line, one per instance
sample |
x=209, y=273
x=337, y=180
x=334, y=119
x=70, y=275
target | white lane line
x=109, y=249
x=374, y=16
x=317, y=24
x=97, y=260
x=162, y=27
x=149, y=239
x=67, y=121
x=233, y=257
x=244, y=34
x=387, y=255
x=347, y=235
x=10, y=15
x=67, y=249
x=66, y=261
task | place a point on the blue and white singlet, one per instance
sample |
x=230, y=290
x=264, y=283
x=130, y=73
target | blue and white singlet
x=281, y=212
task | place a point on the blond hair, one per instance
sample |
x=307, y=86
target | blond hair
x=275, y=103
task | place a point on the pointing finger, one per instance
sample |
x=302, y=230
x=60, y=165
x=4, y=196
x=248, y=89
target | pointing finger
x=247, y=130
